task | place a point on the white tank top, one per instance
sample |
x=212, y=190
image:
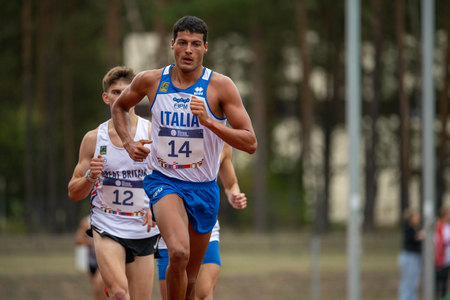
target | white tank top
x=182, y=148
x=215, y=235
x=118, y=201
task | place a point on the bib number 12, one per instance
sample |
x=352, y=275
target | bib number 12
x=126, y=201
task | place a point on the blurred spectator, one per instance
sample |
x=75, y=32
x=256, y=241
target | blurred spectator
x=410, y=258
x=442, y=252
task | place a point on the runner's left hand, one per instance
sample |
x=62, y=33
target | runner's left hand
x=148, y=220
x=238, y=201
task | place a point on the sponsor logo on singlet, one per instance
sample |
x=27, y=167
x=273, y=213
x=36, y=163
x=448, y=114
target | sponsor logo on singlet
x=164, y=87
x=103, y=150
x=182, y=103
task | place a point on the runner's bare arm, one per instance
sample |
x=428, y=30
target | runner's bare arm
x=131, y=96
x=241, y=134
x=229, y=180
x=79, y=186
x=142, y=85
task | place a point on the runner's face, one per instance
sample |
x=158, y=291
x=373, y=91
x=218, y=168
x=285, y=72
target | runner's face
x=114, y=91
x=188, y=49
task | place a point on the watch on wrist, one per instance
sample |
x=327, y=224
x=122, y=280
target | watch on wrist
x=88, y=176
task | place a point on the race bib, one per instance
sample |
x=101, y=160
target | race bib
x=126, y=196
x=180, y=148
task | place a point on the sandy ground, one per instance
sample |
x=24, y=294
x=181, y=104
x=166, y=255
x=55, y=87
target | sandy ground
x=274, y=266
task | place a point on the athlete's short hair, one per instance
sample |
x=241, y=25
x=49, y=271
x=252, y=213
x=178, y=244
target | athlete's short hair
x=115, y=74
x=191, y=24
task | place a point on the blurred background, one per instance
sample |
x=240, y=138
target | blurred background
x=287, y=59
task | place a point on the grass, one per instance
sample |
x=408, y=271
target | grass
x=271, y=266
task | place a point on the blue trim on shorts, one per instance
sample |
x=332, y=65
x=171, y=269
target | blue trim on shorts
x=212, y=256
x=162, y=262
x=201, y=199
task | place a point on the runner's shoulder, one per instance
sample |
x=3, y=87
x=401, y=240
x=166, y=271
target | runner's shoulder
x=148, y=77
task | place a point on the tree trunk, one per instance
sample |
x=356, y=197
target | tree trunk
x=258, y=112
x=27, y=83
x=306, y=107
x=331, y=107
x=372, y=137
x=70, y=158
x=307, y=116
x=51, y=93
x=40, y=201
x=45, y=200
x=113, y=26
x=441, y=186
x=161, y=31
x=133, y=15
x=404, y=109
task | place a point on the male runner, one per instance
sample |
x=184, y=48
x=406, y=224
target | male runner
x=119, y=205
x=189, y=104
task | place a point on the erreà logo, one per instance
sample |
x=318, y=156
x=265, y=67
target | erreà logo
x=198, y=91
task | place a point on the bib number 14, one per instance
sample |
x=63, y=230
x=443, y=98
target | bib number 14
x=184, y=149
x=180, y=148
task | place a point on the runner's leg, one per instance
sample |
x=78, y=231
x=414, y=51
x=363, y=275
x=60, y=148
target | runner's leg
x=206, y=281
x=111, y=263
x=172, y=220
x=140, y=277
x=198, y=245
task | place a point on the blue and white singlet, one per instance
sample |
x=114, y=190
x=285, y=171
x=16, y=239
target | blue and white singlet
x=182, y=148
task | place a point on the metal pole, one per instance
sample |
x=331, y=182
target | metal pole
x=315, y=270
x=428, y=176
x=353, y=111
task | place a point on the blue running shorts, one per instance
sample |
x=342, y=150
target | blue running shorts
x=201, y=199
x=212, y=256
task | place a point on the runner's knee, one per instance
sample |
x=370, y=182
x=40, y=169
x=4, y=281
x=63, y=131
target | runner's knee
x=119, y=293
x=179, y=257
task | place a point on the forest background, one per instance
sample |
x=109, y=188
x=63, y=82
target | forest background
x=288, y=59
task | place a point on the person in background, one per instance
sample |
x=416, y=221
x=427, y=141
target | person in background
x=81, y=238
x=442, y=252
x=210, y=268
x=410, y=258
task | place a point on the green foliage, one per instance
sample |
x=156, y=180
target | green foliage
x=80, y=41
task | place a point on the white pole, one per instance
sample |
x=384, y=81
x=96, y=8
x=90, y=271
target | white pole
x=428, y=175
x=353, y=111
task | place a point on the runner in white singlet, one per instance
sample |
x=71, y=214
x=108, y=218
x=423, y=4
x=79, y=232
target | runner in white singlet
x=189, y=104
x=124, y=248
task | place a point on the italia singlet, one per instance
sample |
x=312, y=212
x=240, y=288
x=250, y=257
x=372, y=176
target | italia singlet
x=118, y=200
x=182, y=148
